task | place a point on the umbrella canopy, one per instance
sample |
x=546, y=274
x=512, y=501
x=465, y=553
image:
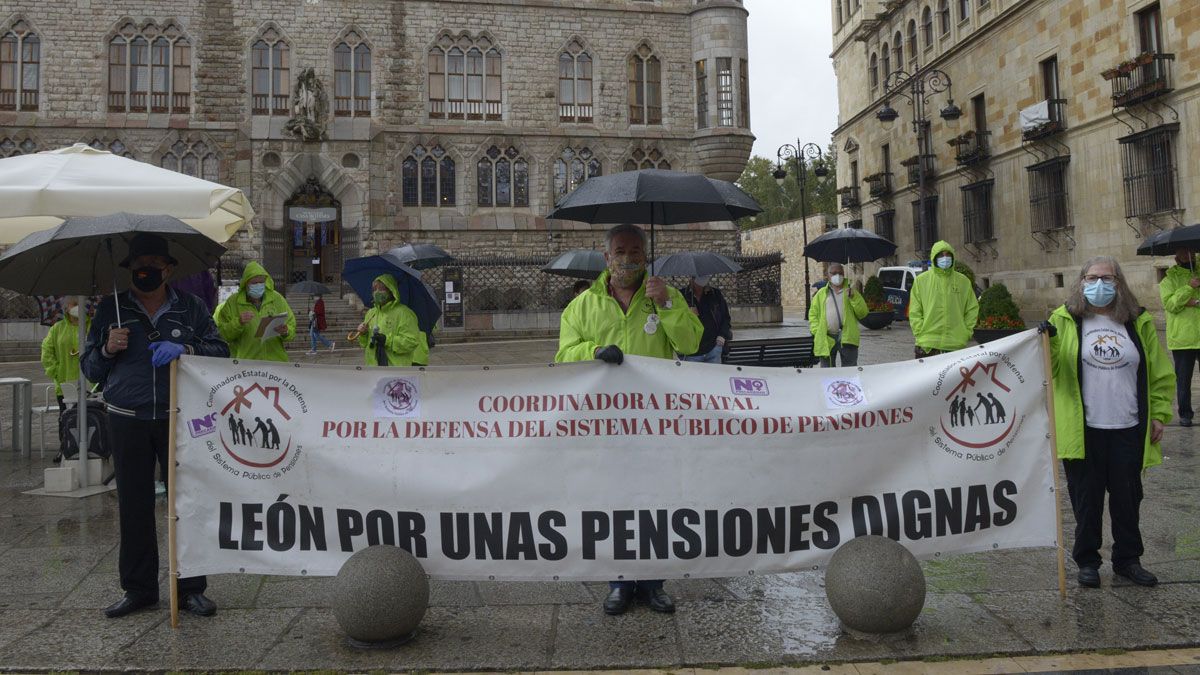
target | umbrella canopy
x=422, y=256
x=360, y=272
x=50, y=307
x=38, y=191
x=81, y=256
x=579, y=263
x=309, y=287
x=1165, y=242
x=849, y=245
x=693, y=264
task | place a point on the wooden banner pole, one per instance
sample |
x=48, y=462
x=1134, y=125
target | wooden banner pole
x=1058, y=517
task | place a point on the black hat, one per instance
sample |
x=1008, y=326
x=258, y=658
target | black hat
x=144, y=243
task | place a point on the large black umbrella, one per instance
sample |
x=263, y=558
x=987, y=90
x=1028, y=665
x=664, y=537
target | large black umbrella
x=849, y=245
x=1165, y=242
x=579, y=263
x=655, y=197
x=421, y=256
x=693, y=264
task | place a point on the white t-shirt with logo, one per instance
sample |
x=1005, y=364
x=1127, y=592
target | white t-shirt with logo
x=1110, y=364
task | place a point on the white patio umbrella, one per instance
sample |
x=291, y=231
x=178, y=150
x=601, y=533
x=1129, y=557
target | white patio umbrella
x=38, y=191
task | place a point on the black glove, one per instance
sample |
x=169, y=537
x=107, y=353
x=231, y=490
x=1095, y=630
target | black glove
x=378, y=340
x=611, y=354
x=1047, y=328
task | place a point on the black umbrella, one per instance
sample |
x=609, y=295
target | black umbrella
x=579, y=263
x=655, y=197
x=309, y=287
x=414, y=292
x=693, y=264
x=1165, y=242
x=849, y=245
x=422, y=256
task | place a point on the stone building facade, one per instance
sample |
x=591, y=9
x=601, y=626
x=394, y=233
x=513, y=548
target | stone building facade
x=456, y=122
x=1078, y=134
x=788, y=239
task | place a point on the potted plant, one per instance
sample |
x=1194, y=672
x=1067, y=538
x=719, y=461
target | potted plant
x=880, y=312
x=998, y=315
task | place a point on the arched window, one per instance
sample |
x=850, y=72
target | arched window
x=898, y=51
x=465, y=79
x=11, y=148
x=944, y=16
x=502, y=178
x=927, y=26
x=194, y=158
x=149, y=70
x=116, y=147
x=886, y=61
x=912, y=41
x=352, y=77
x=572, y=168
x=645, y=87
x=640, y=159
x=964, y=10
x=575, y=84
x=874, y=71
x=20, y=68
x=427, y=178
x=270, y=74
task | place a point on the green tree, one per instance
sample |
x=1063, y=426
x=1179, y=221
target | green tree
x=781, y=202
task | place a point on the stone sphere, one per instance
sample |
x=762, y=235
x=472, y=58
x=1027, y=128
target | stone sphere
x=380, y=595
x=875, y=585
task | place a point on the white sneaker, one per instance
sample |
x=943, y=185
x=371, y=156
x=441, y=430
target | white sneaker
x=332, y=346
x=160, y=488
x=311, y=352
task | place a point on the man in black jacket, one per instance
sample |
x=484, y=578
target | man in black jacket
x=157, y=325
x=708, y=304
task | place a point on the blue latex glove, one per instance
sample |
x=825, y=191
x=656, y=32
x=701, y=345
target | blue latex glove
x=164, y=352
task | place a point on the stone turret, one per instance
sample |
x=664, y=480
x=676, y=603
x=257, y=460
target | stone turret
x=722, y=115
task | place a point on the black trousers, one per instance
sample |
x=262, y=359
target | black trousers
x=137, y=446
x=1112, y=462
x=1185, y=365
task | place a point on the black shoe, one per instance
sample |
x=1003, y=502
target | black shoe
x=618, y=601
x=197, y=604
x=660, y=601
x=1089, y=577
x=1137, y=574
x=1185, y=421
x=128, y=605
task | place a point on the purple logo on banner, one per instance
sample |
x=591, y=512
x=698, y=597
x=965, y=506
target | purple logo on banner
x=749, y=386
x=202, y=426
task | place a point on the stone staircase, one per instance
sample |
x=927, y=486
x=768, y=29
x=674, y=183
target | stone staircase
x=342, y=316
x=12, y=351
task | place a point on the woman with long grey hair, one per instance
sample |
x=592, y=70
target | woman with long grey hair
x=1113, y=384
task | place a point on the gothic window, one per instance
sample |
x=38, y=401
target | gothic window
x=575, y=84
x=645, y=87
x=20, y=64
x=352, y=77
x=11, y=148
x=964, y=10
x=640, y=159
x=502, y=178
x=724, y=92
x=116, y=147
x=427, y=178
x=194, y=158
x=744, y=91
x=898, y=51
x=572, y=168
x=885, y=61
x=465, y=79
x=873, y=72
x=927, y=26
x=944, y=17
x=149, y=70
x=702, y=94
x=912, y=41
x=270, y=74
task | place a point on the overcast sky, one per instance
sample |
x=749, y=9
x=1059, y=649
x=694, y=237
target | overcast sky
x=793, y=94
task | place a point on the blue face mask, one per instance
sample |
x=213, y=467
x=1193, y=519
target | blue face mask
x=945, y=262
x=256, y=290
x=1100, y=292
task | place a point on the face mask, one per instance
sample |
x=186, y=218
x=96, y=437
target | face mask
x=256, y=291
x=74, y=312
x=836, y=280
x=1099, y=293
x=1186, y=264
x=381, y=297
x=147, y=279
x=626, y=271
x=945, y=262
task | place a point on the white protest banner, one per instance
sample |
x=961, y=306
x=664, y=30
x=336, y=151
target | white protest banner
x=651, y=469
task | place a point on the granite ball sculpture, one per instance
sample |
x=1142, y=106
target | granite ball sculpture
x=380, y=596
x=875, y=586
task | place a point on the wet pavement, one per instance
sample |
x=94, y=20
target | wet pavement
x=58, y=560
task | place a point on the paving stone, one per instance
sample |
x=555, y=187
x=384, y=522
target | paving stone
x=585, y=637
x=532, y=592
x=243, y=637
x=79, y=640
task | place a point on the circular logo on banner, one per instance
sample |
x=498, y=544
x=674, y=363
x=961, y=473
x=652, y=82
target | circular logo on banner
x=980, y=414
x=845, y=393
x=399, y=396
x=254, y=420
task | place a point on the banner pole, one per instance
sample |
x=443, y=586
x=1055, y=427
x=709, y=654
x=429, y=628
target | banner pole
x=1058, y=518
x=172, y=553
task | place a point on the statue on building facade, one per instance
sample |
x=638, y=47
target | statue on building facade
x=310, y=108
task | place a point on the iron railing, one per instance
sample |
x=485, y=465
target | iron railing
x=849, y=197
x=885, y=224
x=925, y=237
x=1057, y=122
x=1142, y=78
x=972, y=148
x=978, y=224
x=913, y=169
x=1149, y=171
x=1048, y=204
x=880, y=184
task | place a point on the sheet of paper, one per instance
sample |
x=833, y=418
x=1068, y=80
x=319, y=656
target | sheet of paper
x=267, y=326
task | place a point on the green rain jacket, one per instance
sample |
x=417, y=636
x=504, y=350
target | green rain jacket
x=942, y=308
x=1183, y=322
x=594, y=319
x=398, y=326
x=853, y=309
x=60, y=353
x=1156, y=383
x=243, y=344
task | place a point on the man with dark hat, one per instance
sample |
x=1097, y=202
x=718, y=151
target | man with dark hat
x=157, y=324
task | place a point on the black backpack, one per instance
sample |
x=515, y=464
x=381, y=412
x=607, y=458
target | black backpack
x=97, y=431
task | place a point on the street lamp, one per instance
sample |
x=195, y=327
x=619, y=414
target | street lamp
x=916, y=87
x=809, y=153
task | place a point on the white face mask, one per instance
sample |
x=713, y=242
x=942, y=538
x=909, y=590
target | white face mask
x=836, y=279
x=73, y=311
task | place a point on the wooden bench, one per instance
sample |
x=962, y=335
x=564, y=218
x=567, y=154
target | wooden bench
x=789, y=352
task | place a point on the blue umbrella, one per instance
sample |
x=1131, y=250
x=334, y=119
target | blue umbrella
x=360, y=272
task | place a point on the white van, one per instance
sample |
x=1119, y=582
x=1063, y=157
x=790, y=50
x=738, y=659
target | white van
x=897, y=284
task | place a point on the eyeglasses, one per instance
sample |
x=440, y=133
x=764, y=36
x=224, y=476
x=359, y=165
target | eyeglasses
x=1106, y=278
